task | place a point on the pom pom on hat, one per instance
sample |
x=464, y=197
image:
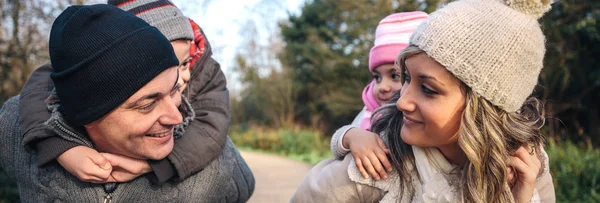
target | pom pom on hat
x=535, y=8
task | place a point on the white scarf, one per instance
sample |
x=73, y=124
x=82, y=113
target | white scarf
x=433, y=171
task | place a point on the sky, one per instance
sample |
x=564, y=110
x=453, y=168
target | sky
x=223, y=21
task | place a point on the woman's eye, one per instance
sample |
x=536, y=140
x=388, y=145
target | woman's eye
x=427, y=90
x=396, y=76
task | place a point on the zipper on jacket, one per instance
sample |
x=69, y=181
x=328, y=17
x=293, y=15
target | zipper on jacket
x=108, y=188
x=63, y=129
x=107, y=198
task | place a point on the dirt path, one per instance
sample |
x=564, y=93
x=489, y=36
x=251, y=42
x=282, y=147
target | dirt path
x=276, y=177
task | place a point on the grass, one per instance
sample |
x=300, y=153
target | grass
x=303, y=145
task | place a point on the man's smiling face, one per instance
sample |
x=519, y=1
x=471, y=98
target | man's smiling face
x=142, y=127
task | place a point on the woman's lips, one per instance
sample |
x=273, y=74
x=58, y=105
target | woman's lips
x=410, y=121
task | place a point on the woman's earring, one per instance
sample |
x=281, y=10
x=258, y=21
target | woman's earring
x=532, y=150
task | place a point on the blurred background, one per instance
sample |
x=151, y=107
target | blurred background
x=296, y=70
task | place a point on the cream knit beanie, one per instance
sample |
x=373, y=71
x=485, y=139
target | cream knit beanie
x=495, y=47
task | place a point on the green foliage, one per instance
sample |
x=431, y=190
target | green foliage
x=266, y=100
x=304, y=145
x=576, y=172
x=570, y=80
x=325, y=54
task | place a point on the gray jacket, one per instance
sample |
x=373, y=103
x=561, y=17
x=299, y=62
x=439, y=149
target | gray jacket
x=226, y=179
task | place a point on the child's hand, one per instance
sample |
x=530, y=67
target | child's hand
x=125, y=169
x=369, y=152
x=86, y=164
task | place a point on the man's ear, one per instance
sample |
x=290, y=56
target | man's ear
x=90, y=126
x=92, y=130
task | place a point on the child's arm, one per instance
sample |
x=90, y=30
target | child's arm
x=338, y=151
x=369, y=152
x=205, y=137
x=86, y=164
x=32, y=104
x=124, y=168
x=367, y=148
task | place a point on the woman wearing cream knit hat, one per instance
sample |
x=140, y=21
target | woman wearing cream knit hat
x=464, y=127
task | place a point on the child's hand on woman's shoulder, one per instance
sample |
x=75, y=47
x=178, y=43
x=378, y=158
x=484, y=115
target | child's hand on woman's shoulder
x=369, y=152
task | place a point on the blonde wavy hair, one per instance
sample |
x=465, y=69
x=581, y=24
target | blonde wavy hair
x=488, y=135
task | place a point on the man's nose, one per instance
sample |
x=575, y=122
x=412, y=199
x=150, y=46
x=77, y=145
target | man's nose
x=171, y=114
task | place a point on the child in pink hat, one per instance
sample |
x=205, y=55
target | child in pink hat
x=369, y=151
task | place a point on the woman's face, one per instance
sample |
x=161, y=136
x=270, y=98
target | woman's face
x=432, y=103
x=387, y=81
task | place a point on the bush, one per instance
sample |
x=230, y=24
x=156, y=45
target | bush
x=576, y=172
x=304, y=145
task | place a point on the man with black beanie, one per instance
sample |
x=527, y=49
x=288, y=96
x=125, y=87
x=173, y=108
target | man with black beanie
x=116, y=81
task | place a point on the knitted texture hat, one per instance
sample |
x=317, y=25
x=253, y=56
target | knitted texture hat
x=161, y=14
x=392, y=36
x=496, y=47
x=101, y=55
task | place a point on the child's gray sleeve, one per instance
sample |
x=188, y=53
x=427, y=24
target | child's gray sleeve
x=337, y=149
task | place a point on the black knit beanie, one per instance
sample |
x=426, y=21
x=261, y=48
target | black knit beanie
x=101, y=55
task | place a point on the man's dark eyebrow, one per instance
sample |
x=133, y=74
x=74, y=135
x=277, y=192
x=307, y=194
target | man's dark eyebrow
x=432, y=78
x=150, y=96
x=154, y=95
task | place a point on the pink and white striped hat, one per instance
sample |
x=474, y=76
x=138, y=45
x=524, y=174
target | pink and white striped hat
x=392, y=35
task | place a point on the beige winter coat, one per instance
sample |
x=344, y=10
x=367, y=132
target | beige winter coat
x=331, y=181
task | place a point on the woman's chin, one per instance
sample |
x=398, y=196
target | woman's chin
x=412, y=139
x=406, y=137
